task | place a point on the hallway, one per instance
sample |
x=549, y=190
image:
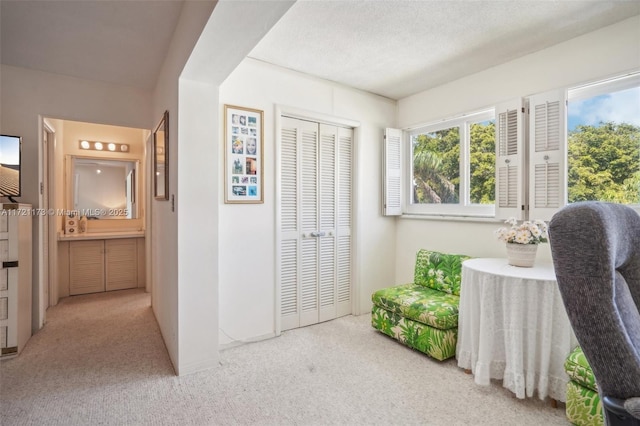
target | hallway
x=90, y=343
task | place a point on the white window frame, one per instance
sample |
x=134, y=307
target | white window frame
x=598, y=88
x=527, y=188
x=464, y=207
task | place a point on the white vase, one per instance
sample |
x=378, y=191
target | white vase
x=523, y=255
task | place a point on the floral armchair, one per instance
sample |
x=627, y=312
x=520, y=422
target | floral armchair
x=424, y=314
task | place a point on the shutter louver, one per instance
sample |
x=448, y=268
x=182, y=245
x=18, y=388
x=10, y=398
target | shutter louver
x=510, y=160
x=547, y=154
x=392, y=172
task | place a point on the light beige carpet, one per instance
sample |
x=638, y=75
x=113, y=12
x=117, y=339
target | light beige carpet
x=100, y=360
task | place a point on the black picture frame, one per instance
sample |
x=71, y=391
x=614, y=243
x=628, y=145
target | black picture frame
x=161, y=159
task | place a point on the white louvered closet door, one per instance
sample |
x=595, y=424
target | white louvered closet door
x=315, y=242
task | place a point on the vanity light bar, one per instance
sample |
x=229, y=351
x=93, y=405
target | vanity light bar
x=104, y=146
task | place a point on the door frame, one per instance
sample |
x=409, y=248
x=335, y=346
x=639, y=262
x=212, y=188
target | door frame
x=321, y=118
x=47, y=254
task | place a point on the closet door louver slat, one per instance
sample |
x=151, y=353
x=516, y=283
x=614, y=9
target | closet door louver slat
x=310, y=223
x=289, y=178
x=343, y=238
x=328, y=210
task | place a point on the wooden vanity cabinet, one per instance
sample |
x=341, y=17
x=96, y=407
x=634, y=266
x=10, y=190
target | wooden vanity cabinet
x=97, y=265
x=86, y=267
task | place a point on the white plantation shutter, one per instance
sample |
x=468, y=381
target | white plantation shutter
x=510, y=160
x=392, y=174
x=316, y=210
x=547, y=154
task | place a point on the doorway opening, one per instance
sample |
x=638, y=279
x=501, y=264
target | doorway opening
x=110, y=189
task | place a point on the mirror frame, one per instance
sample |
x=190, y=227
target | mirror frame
x=70, y=188
x=163, y=127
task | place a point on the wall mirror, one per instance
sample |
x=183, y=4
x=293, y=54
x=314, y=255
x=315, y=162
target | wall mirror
x=101, y=188
x=161, y=159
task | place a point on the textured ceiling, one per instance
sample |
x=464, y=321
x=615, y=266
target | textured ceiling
x=122, y=42
x=398, y=48
x=392, y=48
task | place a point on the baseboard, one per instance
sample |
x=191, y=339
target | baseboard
x=235, y=343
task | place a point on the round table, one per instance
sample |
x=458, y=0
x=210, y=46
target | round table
x=513, y=326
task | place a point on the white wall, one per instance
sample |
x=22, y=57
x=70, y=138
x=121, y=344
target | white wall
x=247, y=295
x=166, y=292
x=205, y=48
x=607, y=52
x=27, y=95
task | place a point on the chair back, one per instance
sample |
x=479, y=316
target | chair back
x=439, y=271
x=596, y=254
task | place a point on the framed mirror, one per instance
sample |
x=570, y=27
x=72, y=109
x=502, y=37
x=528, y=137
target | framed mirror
x=161, y=159
x=103, y=188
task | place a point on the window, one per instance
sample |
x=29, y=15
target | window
x=452, y=170
x=582, y=144
x=603, y=142
x=537, y=155
x=436, y=167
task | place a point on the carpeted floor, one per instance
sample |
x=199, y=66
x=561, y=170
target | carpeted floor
x=100, y=360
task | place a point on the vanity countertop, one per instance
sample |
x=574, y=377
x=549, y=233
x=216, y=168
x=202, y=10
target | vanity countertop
x=100, y=235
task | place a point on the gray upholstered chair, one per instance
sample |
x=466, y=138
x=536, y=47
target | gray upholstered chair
x=596, y=254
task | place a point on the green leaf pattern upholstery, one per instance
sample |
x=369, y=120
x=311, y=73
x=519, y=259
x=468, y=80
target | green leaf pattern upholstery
x=578, y=369
x=421, y=304
x=424, y=314
x=437, y=343
x=439, y=271
x=583, y=406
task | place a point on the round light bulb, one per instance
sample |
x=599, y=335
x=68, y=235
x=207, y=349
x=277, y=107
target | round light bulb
x=85, y=145
x=98, y=146
x=124, y=148
x=112, y=146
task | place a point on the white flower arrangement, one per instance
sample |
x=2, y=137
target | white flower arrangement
x=528, y=232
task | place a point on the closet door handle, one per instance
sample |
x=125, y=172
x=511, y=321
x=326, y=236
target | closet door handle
x=318, y=234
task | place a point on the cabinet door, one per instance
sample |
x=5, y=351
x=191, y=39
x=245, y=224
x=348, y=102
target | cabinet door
x=121, y=265
x=86, y=272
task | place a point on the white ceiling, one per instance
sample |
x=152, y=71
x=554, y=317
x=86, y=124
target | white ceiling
x=122, y=42
x=391, y=48
x=398, y=48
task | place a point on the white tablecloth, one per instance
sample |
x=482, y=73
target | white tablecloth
x=513, y=326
